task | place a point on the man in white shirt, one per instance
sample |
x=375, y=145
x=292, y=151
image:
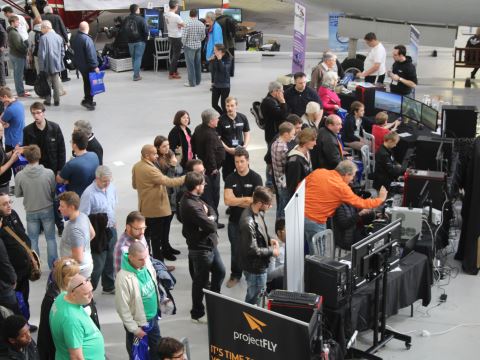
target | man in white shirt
x=22, y=27
x=174, y=26
x=374, y=65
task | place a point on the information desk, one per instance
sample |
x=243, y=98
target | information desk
x=405, y=287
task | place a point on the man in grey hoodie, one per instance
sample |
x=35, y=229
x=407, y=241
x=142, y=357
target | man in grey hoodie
x=37, y=186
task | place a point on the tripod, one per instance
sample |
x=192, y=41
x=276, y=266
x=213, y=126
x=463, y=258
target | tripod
x=380, y=317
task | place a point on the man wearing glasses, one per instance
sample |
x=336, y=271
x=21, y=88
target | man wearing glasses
x=257, y=247
x=74, y=333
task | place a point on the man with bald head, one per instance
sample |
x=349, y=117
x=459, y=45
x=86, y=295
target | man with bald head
x=85, y=59
x=153, y=202
x=74, y=333
x=328, y=152
x=137, y=298
x=50, y=59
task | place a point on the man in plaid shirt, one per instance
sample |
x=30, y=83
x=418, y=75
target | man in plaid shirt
x=193, y=35
x=279, y=151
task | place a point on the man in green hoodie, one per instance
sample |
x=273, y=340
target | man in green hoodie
x=137, y=298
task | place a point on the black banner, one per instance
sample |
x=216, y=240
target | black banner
x=240, y=331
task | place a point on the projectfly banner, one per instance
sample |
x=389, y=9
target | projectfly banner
x=82, y=5
x=237, y=330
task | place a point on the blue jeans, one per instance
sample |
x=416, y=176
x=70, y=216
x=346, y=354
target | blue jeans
x=310, y=229
x=204, y=262
x=103, y=265
x=153, y=339
x=194, y=65
x=234, y=237
x=18, y=66
x=282, y=196
x=256, y=285
x=136, y=52
x=46, y=219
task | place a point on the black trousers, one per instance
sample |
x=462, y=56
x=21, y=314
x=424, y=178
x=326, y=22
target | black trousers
x=214, y=183
x=228, y=166
x=371, y=79
x=232, y=63
x=157, y=234
x=175, y=51
x=218, y=93
x=87, y=90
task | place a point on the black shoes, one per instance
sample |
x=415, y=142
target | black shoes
x=66, y=79
x=174, y=251
x=88, y=105
x=220, y=226
x=170, y=256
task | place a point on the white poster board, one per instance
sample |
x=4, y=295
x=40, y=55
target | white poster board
x=294, y=247
x=81, y=5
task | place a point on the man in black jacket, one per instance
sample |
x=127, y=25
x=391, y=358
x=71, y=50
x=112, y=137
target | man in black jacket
x=256, y=247
x=8, y=279
x=404, y=73
x=93, y=144
x=209, y=149
x=299, y=95
x=200, y=231
x=328, y=151
x=274, y=110
x=16, y=334
x=137, y=31
x=386, y=169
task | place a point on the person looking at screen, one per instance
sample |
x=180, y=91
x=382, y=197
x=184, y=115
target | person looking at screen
x=386, y=169
x=382, y=128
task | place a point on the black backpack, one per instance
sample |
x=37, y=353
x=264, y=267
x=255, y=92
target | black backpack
x=41, y=86
x=257, y=113
x=131, y=28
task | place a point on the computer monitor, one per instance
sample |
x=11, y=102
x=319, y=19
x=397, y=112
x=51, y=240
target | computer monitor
x=429, y=117
x=152, y=17
x=203, y=12
x=412, y=108
x=235, y=13
x=388, y=102
x=185, y=15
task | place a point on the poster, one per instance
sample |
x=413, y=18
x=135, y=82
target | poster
x=412, y=50
x=81, y=5
x=335, y=41
x=237, y=330
x=299, y=38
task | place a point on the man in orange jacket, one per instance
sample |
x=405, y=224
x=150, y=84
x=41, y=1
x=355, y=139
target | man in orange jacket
x=326, y=190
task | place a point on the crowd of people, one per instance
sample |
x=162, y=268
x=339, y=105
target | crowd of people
x=178, y=175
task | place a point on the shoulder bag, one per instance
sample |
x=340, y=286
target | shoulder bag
x=35, y=271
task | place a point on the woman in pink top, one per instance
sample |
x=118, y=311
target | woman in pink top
x=330, y=100
x=180, y=136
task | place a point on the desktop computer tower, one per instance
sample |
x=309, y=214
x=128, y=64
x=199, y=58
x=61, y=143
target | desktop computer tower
x=366, y=95
x=459, y=121
x=328, y=278
x=422, y=185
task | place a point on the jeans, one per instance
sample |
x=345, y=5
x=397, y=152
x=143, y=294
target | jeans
x=234, y=237
x=194, y=65
x=282, y=202
x=205, y=262
x=153, y=340
x=310, y=229
x=256, y=285
x=136, y=50
x=158, y=230
x=43, y=218
x=219, y=94
x=58, y=217
x=18, y=66
x=55, y=82
x=103, y=265
x=175, y=51
x=214, y=182
x=2, y=68
x=87, y=89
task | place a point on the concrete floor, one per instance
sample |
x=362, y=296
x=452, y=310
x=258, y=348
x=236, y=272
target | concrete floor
x=130, y=114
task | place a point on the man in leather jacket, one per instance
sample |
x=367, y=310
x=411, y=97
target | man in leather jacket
x=256, y=247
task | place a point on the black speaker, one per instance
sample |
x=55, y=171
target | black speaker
x=433, y=153
x=459, y=121
x=421, y=185
x=328, y=278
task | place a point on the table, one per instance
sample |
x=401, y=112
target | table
x=405, y=287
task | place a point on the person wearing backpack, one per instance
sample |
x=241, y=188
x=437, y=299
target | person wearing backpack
x=136, y=29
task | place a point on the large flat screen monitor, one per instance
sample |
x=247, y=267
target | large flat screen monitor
x=388, y=102
x=152, y=17
x=412, y=109
x=203, y=12
x=235, y=13
x=429, y=117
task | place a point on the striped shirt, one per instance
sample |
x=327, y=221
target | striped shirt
x=193, y=34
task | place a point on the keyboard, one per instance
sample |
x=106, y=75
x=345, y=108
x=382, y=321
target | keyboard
x=294, y=297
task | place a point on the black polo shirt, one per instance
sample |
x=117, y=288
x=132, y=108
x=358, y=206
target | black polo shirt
x=242, y=186
x=407, y=71
x=231, y=130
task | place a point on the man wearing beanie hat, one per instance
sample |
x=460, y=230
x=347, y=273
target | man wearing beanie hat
x=16, y=334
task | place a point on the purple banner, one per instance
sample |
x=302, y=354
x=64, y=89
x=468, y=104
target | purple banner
x=299, y=37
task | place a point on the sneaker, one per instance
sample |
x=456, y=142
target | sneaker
x=220, y=226
x=56, y=103
x=176, y=76
x=88, y=105
x=66, y=79
x=232, y=282
x=108, y=292
x=138, y=78
x=25, y=94
x=187, y=84
x=202, y=320
x=48, y=103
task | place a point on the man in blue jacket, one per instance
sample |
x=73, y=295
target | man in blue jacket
x=85, y=59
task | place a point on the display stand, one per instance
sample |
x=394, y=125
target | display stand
x=380, y=318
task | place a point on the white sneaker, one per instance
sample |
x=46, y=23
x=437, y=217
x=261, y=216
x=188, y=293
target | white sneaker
x=202, y=320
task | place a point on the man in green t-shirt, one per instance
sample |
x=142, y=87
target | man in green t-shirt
x=74, y=333
x=136, y=298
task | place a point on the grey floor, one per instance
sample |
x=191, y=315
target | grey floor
x=130, y=114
